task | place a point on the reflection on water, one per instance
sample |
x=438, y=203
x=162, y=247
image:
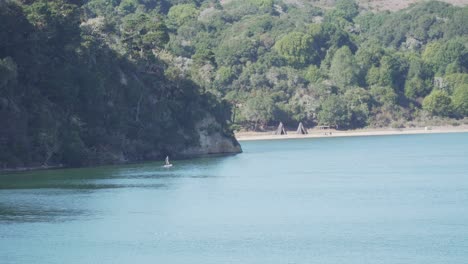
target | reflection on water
x=22, y=198
x=364, y=200
x=37, y=213
x=81, y=186
x=108, y=177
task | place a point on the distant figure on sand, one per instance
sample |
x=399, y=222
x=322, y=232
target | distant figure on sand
x=167, y=163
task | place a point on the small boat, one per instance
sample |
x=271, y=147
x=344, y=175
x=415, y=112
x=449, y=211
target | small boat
x=167, y=163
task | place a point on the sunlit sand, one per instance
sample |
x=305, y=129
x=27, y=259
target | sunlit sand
x=319, y=133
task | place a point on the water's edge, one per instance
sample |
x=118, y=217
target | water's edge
x=58, y=167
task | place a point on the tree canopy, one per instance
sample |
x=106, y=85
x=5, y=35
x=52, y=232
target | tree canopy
x=80, y=80
x=80, y=89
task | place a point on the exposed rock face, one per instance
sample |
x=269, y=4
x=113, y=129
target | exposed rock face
x=213, y=140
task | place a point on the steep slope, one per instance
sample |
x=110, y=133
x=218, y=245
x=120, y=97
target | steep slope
x=324, y=62
x=68, y=99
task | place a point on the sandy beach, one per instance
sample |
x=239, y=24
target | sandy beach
x=317, y=133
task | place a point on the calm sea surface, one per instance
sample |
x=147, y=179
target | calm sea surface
x=386, y=199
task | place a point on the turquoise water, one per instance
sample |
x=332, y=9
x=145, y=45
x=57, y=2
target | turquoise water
x=387, y=199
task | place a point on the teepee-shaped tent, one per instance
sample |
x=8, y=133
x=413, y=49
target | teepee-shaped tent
x=301, y=129
x=280, y=130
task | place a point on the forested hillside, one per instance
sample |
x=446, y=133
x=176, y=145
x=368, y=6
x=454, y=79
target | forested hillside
x=382, y=5
x=68, y=98
x=106, y=80
x=292, y=61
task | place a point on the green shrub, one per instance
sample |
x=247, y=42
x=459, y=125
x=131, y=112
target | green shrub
x=438, y=103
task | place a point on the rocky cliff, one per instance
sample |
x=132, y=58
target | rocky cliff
x=212, y=140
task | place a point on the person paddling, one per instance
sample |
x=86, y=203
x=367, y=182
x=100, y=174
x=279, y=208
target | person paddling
x=167, y=163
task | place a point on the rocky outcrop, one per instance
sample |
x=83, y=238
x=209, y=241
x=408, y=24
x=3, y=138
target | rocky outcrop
x=212, y=140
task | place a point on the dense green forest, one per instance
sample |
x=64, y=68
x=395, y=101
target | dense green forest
x=83, y=80
x=291, y=61
x=296, y=62
x=67, y=97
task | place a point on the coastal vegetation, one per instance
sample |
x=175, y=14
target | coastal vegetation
x=293, y=61
x=74, y=94
x=99, y=81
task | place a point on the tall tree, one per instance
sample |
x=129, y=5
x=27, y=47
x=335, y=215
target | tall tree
x=334, y=112
x=297, y=48
x=460, y=99
x=343, y=70
x=438, y=103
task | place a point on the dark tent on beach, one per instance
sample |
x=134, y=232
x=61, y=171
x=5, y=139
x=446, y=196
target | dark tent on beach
x=301, y=129
x=280, y=130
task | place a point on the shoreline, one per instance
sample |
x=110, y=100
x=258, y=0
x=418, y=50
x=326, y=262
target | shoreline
x=312, y=133
x=331, y=133
x=5, y=171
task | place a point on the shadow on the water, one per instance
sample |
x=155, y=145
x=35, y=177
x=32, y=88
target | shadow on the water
x=30, y=214
x=49, y=187
x=116, y=176
x=77, y=186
